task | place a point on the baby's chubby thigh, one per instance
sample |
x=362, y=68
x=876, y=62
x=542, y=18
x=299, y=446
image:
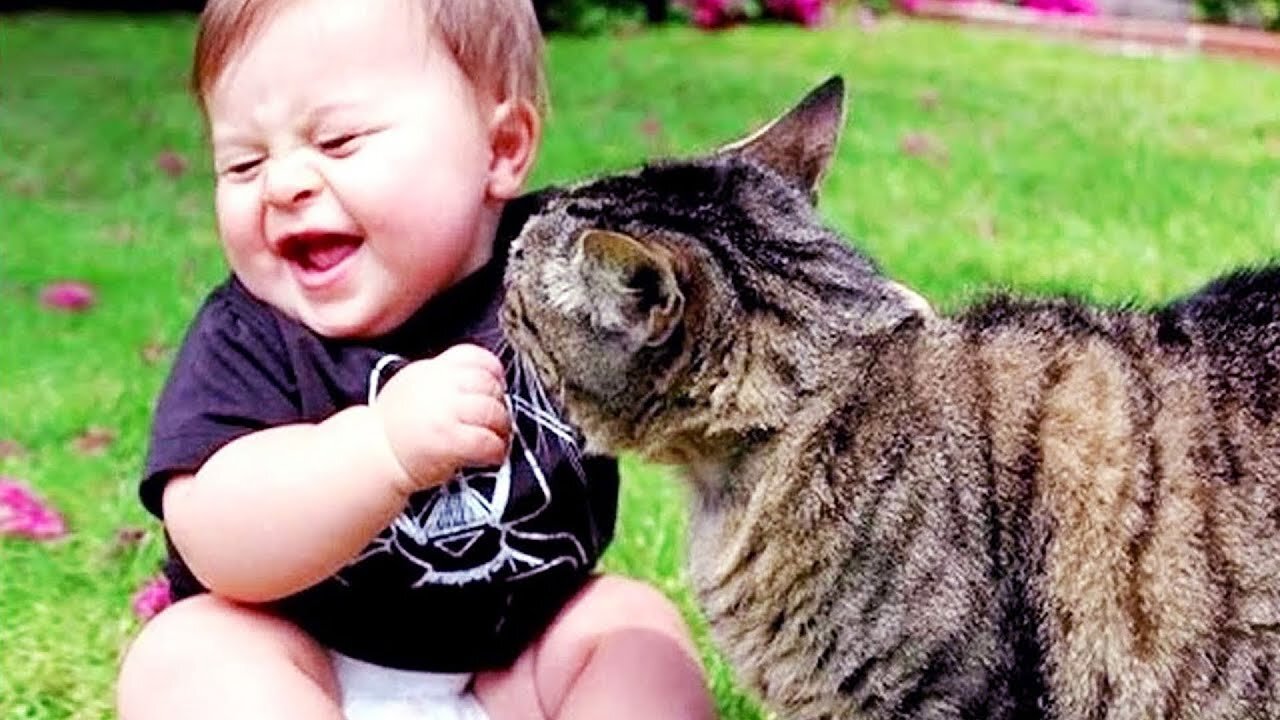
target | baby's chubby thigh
x=619, y=649
x=205, y=657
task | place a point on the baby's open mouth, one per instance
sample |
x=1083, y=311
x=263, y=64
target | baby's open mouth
x=318, y=252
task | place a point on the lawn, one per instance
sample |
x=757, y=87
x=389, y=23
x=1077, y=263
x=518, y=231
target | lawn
x=970, y=160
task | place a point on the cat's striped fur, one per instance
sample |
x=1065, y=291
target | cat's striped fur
x=1031, y=508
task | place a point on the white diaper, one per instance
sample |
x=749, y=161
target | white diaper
x=373, y=692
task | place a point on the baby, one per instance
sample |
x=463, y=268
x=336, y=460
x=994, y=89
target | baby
x=371, y=512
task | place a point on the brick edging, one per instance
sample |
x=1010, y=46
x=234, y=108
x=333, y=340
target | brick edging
x=1188, y=36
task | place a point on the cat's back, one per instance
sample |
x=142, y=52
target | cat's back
x=1235, y=322
x=1150, y=444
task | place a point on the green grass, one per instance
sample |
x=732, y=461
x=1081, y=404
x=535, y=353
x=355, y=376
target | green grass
x=1065, y=170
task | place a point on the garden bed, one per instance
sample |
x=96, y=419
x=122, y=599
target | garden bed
x=1129, y=32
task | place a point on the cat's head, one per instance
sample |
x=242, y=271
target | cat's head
x=693, y=301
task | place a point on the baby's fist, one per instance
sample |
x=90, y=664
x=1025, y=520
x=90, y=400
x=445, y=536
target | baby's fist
x=445, y=413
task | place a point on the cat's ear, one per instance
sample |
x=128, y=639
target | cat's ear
x=641, y=279
x=912, y=299
x=800, y=143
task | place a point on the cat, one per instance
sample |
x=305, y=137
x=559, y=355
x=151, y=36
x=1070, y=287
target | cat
x=1029, y=508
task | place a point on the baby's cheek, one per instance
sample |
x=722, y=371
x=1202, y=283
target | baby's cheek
x=237, y=220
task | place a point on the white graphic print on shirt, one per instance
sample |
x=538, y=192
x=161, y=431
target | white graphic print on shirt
x=470, y=529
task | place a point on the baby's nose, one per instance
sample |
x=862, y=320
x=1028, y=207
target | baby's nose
x=291, y=180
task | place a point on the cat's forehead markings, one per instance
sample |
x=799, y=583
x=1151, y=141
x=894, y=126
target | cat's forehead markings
x=571, y=190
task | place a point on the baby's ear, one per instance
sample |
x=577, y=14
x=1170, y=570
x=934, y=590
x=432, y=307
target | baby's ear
x=800, y=143
x=638, y=283
x=514, y=132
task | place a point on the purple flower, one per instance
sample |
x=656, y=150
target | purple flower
x=22, y=514
x=151, y=598
x=67, y=295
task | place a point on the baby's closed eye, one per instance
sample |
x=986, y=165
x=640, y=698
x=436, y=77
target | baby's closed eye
x=341, y=140
x=339, y=144
x=240, y=168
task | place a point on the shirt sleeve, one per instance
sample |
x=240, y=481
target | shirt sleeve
x=230, y=377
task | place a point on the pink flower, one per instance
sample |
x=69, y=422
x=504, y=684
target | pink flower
x=1080, y=7
x=22, y=514
x=867, y=20
x=778, y=8
x=1066, y=7
x=67, y=295
x=805, y=12
x=171, y=163
x=712, y=14
x=151, y=598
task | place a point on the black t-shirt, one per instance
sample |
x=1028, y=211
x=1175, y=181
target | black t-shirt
x=471, y=571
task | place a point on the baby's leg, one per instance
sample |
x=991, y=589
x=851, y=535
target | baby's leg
x=209, y=658
x=618, y=650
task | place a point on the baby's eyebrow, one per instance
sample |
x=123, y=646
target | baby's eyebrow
x=231, y=135
x=222, y=137
x=332, y=107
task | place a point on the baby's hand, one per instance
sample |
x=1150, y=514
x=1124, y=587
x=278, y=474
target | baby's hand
x=445, y=413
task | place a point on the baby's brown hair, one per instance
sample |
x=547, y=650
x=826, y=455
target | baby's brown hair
x=497, y=43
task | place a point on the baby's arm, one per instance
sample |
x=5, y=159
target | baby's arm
x=280, y=509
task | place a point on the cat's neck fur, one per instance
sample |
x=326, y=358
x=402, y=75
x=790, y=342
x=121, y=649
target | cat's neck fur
x=765, y=378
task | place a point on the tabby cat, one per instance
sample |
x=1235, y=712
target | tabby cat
x=1029, y=508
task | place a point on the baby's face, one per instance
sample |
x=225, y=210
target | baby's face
x=352, y=158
